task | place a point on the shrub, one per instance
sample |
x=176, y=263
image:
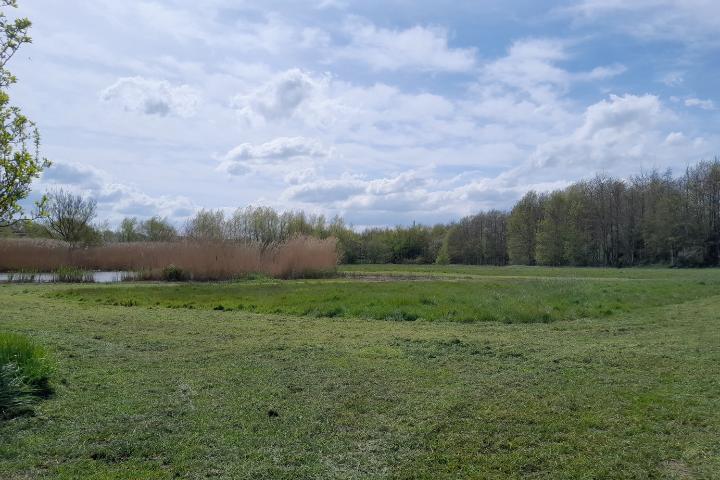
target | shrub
x=24, y=372
x=171, y=273
x=690, y=257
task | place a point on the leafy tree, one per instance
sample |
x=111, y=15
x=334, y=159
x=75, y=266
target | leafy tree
x=207, y=225
x=157, y=229
x=128, y=231
x=552, y=234
x=20, y=161
x=443, y=256
x=479, y=239
x=523, y=224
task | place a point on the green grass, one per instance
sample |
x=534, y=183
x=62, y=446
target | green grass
x=506, y=299
x=148, y=392
x=24, y=373
x=522, y=271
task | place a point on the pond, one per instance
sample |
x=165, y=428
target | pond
x=48, y=277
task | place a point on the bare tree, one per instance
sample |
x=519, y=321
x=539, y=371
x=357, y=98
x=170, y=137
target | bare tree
x=69, y=216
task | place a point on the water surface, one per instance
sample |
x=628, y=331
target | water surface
x=47, y=277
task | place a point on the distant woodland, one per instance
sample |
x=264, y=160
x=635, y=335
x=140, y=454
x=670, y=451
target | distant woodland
x=651, y=218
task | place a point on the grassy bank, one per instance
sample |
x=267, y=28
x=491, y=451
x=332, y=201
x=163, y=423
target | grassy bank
x=160, y=393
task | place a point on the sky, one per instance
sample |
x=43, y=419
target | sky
x=384, y=112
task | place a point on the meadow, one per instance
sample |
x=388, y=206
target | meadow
x=539, y=373
x=477, y=298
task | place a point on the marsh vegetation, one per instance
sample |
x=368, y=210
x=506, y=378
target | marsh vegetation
x=197, y=260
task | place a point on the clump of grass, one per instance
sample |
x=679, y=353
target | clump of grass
x=15, y=394
x=126, y=303
x=402, y=316
x=331, y=312
x=24, y=374
x=67, y=274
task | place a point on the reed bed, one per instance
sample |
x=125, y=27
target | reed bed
x=298, y=257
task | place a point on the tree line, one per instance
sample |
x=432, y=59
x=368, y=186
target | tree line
x=651, y=218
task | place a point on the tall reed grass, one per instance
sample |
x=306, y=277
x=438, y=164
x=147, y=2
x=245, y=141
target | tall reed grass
x=298, y=257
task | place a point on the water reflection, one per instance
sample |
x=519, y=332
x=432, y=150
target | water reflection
x=47, y=277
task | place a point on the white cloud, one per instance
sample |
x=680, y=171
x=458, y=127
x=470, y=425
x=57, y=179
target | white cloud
x=248, y=157
x=153, y=97
x=602, y=73
x=620, y=128
x=673, y=79
x=376, y=114
x=278, y=149
x=688, y=21
x=275, y=35
x=339, y=4
x=326, y=191
x=524, y=93
x=703, y=104
x=341, y=190
x=674, y=138
x=531, y=66
x=418, y=47
x=281, y=97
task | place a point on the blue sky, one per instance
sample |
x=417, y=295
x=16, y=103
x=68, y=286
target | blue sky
x=385, y=112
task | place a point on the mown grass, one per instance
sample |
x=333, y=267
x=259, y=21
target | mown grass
x=167, y=393
x=505, y=299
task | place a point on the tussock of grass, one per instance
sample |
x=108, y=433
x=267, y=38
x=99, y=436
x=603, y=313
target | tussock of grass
x=15, y=393
x=24, y=373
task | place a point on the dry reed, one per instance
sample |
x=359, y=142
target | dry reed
x=299, y=257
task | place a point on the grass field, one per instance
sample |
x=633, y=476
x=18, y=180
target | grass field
x=621, y=378
x=472, y=299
